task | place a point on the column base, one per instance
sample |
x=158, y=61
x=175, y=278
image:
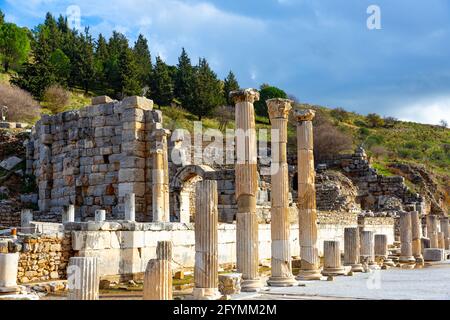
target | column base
x=282, y=282
x=251, y=285
x=206, y=294
x=334, y=272
x=407, y=259
x=357, y=267
x=388, y=263
x=419, y=259
x=308, y=275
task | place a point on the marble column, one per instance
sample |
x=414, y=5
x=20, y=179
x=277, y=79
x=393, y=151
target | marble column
x=416, y=230
x=83, y=278
x=247, y=241
x=280, y=226
x=441, y=240
x=444, y=229
x=367, y=247
x=130, y=207
x=100, y=215
x=406, y=256
x=68, y=214
x=432, y=230
x=381, y=250
x=26, y=216
x=206, y=270
x=9, y=262
x=332, y=259
x=160, y=176
x=158, y=275
x=306, y=204
x=352, y=249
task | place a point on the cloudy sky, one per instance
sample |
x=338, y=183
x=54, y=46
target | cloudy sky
x=322, y=52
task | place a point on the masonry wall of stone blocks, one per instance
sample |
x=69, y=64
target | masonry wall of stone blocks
x=93, y=157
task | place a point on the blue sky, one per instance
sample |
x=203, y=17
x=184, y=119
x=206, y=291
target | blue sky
x=320, y=51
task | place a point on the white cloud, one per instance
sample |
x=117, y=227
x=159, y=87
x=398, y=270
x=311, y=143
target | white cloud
x=426, y=110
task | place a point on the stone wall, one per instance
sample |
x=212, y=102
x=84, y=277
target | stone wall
x=9, y=214
x=380, y=225
x=94, y=156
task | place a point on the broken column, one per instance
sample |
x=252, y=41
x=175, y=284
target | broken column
x=352, y=249
x=83, y=278
x=160, y=176
x=9, y=262
x=158, y=275
x=247, y=241
x=100, y=215
x=381, y=250
x=416, y=230
x=130, y=207
x=444, y=230
x=26, y=216
x=306, y=204
x=280, y=226
x=432, y=230
x=68, y=214
x=332, y=259
x=206, y=271
x=367, y=247
x=407, y=259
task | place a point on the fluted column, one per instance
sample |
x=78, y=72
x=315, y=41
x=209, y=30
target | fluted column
x=206, y=271
x=432, y=230
x=367, y=247
x=381, y=251
x=83, y=278
x=309, y=269
x=130, y=207
x=406, y=257
x=158, y=275
x=444, y=229
x=416, y=230
x=332, y=259
x=352, y=249
x=160, y=177
x=247, y=242
x=280, y=226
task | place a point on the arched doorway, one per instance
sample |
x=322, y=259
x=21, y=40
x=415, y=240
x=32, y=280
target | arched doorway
x=182, y=190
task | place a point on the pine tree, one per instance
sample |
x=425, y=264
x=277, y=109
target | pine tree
x=85, y=61
x=162, y=86
x=208, y=93
x=143, y=60
x=184, y=80
x=230, y=84
x=128, y=78
x=117, y=46
x=14, y=45
x=101, y=58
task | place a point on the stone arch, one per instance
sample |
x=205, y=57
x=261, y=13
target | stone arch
x=183, y=186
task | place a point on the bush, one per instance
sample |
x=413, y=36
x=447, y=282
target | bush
x=363, y=132
x=330, y=141
x=21, y=106
x=390, y=122
x=56, y=99
x=374, y=140
x=360, y=123
x=379, y=151
x=374, y=120
x=340, y=114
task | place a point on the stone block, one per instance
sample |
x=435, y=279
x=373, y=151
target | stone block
x=101, y=100
x=137, y=102
x=435, y=255
x=132, y=239
x=91, y=240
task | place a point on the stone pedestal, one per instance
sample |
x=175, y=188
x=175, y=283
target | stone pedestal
x=367, y=247
x=434, y=255
x=306, y=203
x=9, y=262
x=100, y=215
x=83, y=278
x=406, y=257
x=130, y=207
x=158, y=275
x=206, y=268
x=416, y=230
x=280, y=226
x=352, y=249
x=246, y=190
x=160, y=176
x=26, y=216
x=445, y=231
x=432, y=230
x=332, y=259
x=68, y=214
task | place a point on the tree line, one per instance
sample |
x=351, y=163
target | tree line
x=52, y=53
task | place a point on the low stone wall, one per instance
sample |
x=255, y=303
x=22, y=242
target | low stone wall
x=43, y=257
x=9, y=214
x=379, y=225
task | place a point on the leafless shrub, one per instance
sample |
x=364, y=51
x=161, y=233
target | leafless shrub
x=21, y=106
x=56, y=98
x=330, y=141
x=379, y=151
x=225, y=114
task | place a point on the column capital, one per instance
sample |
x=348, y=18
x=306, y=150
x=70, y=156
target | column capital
x=304, y=115
x=245, y=95
x=279, y=108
